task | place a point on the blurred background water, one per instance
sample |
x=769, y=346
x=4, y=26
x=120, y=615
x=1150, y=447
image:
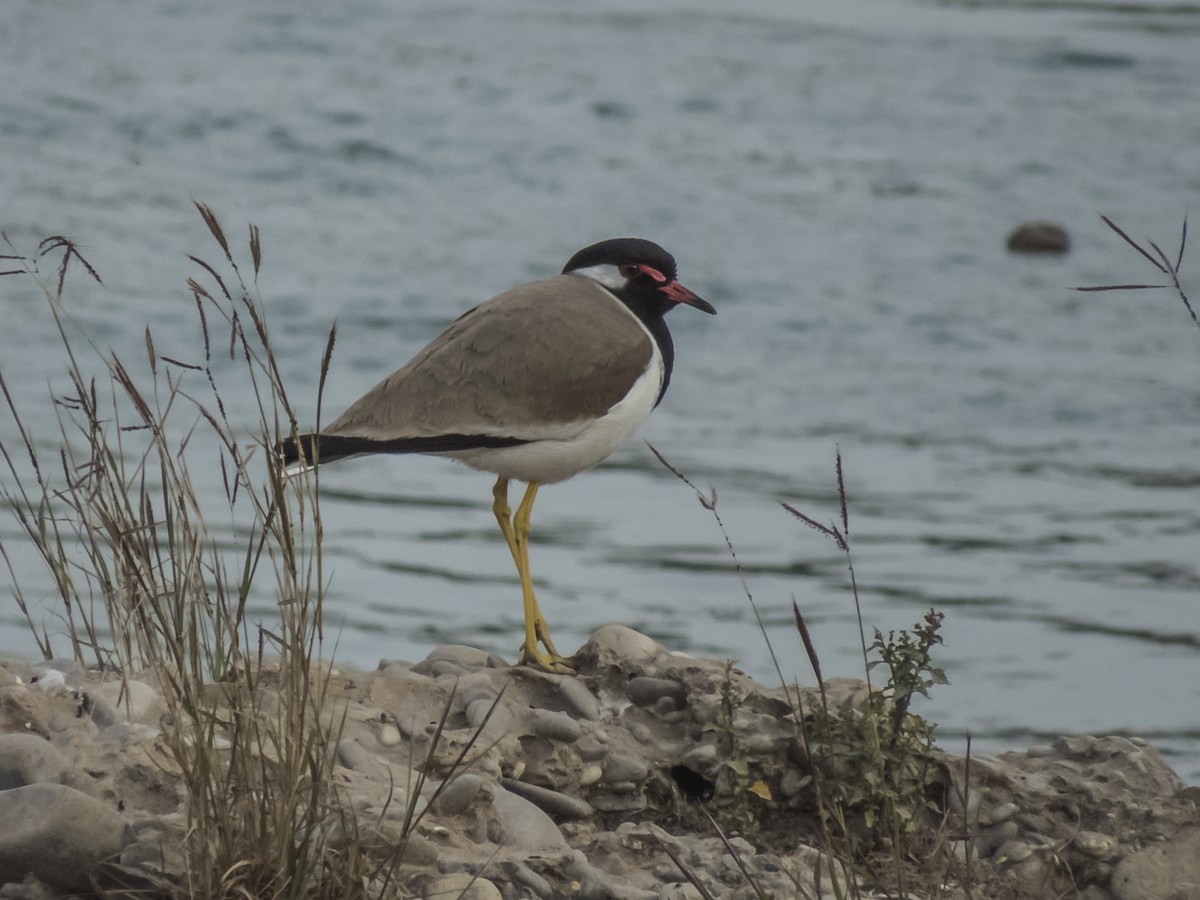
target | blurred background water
x=836, y=177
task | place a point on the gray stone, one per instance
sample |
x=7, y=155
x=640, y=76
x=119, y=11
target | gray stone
x=1165, y=871
x=440, y=668
x=997, y=814
x=155, y=853
x=353, y=755
x=991, y=840
x=524, y=826
x=451, y=659
x=57, y=833
x=1013, y=851
x=134, y=701
x=524, y=875
x=556, y=726
x=1039, y=237
x=461, y=886
x=590, y=774
x=647, y=691
x=679, y=891
x=553, y=802
x=494, y=718
x=576, y=695
x=388, y=734
x=1103, y=847
x=597, y=884
x=29, y=759
x=620, y=768
x=590, y=748
x=619, y=646
x=459, y=794
x=474, y=686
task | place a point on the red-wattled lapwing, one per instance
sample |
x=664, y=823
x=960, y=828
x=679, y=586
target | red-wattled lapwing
x=537, y=385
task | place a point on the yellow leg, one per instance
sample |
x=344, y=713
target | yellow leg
x=516, y=534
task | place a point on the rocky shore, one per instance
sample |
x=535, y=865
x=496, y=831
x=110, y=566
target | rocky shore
x=594, y=785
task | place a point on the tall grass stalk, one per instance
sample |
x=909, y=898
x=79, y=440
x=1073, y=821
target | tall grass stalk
x=150, y=590
x=868, y=763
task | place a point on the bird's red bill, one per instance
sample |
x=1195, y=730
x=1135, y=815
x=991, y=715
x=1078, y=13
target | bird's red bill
x=677, y=293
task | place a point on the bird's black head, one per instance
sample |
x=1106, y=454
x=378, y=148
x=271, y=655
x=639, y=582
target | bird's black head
x=640, y=272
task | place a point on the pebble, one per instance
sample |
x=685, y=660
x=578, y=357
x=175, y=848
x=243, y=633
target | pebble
x=556, y=726
x=474, y=686
x=597, y=884
x=465, y=657
x=1098, y=846
x=552, y=802
x=532, y=880
x=104, y=715
x=353, y=755
x=620, y=646
x=669, y=709
x=461, y=886
x=418, y=849
x=641, y=734
x=155, y=852
x=57, y=833
x=1013, y=851
x=28, y=759
x=576, y=695
x=620, y=768
x=1162, y=870
x=993, y=838
x=590, y=774
x=440, y=668
x=500, y=720
x=701, y=758
x=389, y=734
x=679, y=891
x=997, y=814
x=134, y=701
x=591, y=748
x=645, y=690
x=523, y=825
x=457, y=795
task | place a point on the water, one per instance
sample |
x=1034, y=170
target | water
x=837, y=178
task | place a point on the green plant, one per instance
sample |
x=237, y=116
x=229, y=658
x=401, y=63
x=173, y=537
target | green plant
x=872, y=759
x=735, y=786
x=875, y=755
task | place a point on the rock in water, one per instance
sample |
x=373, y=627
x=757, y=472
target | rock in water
x=1039, y=237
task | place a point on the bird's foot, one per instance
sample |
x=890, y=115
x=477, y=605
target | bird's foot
x=549, y=661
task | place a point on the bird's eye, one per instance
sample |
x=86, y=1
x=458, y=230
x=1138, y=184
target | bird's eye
x=629, y=270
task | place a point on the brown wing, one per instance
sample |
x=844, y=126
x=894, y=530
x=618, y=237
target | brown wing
x=538, y=361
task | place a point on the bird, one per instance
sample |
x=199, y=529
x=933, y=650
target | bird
x=536, y=385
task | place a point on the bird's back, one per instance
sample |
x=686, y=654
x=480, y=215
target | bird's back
x=537, y=362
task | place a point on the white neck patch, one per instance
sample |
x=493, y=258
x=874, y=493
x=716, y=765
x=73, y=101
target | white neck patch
x=605, y=274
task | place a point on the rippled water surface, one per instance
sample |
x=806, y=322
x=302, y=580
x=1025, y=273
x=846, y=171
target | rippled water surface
x=837, y=178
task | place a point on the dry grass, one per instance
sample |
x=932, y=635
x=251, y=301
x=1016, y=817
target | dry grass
x=145, y=585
